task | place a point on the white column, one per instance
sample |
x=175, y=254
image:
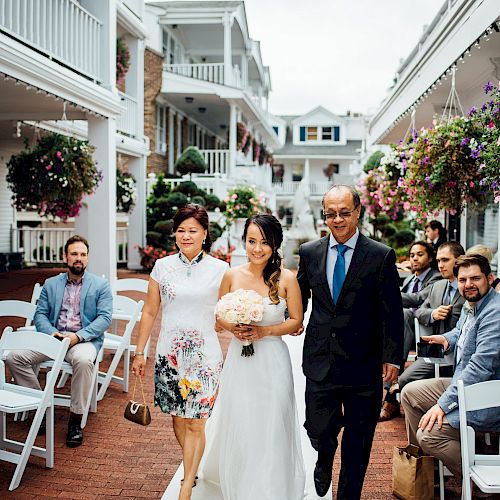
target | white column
x=137, y=218
x=179, y=135
x=134, y=81
x=228, y=53
x=245, y=57
x=232, y=139
x=97, y=219
x=105, y=11
x=171, y=139
x=306, y=170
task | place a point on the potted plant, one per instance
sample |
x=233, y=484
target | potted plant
x=54, y=176
x=126, y=191
x=122, y=60
x=191, y=162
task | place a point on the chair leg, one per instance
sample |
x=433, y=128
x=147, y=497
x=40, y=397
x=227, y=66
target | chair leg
x=441, y=480
x=109, y=374
x=3, y=429
x=49, y=436
x=126, y=369
x=62, y=380
x=466, y=488
x=28, y=445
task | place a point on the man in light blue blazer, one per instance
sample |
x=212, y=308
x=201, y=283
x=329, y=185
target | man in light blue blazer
x=431, y=406
x=78, y=305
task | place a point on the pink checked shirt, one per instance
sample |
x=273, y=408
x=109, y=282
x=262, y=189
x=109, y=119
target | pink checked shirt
x=69, y=317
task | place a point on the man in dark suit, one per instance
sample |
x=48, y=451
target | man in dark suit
x=436, y=233
x=353, y=341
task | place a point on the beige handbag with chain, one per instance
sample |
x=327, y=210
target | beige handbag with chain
x=138, y=412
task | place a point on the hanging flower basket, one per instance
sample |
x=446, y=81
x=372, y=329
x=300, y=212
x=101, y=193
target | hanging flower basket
x=241, y=135
x=54, y=176
x=442, y=172
x=126, y=191
x=122, y=60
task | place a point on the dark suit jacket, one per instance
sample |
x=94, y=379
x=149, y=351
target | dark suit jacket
x=415, y=299
x=365, y=328
x=435, y=299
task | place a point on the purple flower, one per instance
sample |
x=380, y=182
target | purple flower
x=494, y=184
x=465, y=141
x=482, y=182
x=484, y=107
x=472, y=111
x=488, y=87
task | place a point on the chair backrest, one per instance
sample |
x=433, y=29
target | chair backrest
x=474, y=397
x=23, y=340
x=129, y=310
x=35, y=295
x=130, y=285
x=18, y=309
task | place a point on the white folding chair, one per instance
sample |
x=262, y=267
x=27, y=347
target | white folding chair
x=18, y=309
x=35, y=294
x=124, y=309
x=65, y=399
x=484, y=470
x=132, y=285
x=14, y=399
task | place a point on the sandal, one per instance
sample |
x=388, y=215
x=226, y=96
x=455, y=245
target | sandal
x=194, y=483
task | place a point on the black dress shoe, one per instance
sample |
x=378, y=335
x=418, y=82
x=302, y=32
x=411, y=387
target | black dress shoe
x=322, y=479
x=75, y=434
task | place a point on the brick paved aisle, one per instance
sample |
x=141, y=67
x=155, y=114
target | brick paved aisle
x=120, y=459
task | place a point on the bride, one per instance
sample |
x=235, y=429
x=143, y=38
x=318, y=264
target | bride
x=253, y=444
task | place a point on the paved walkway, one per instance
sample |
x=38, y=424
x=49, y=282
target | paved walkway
x=120, y=459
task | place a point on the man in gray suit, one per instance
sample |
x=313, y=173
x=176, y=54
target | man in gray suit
x=431, y=406
x=438, y=314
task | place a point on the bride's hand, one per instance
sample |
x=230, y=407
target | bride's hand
x=255, y=333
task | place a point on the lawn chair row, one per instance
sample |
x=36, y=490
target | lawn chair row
x=16, y=400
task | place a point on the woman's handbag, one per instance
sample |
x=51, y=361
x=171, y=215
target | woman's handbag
x=138, y=412
x=412, y=474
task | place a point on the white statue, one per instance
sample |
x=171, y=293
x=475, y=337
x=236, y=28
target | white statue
x=303, y=225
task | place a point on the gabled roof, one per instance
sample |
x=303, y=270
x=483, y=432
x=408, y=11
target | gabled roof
x=319, y=110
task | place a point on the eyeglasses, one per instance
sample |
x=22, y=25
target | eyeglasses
x=344, y=214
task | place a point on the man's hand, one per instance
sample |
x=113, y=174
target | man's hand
x=436, y=339
x=72, y=336
x=300, y=331
x=433, y=415
x=390, y=372
x=441, y=313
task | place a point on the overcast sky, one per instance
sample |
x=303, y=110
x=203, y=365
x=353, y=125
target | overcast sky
x=341, y=54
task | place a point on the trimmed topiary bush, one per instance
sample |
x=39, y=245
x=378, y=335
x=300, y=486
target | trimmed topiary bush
x=191, y=162
x=198, y=200
x=189, y=188
x=177, y=199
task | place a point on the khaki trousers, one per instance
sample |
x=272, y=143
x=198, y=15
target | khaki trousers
x=81, y=357
x=417, y=397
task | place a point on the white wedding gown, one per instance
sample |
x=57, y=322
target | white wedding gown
x=253, y=448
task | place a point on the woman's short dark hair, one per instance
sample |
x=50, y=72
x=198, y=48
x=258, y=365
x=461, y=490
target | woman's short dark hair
x=272, y=231
x=75, y=239
x=198, y=213
x=428, y=248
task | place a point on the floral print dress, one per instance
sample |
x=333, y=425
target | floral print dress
x=188, y=354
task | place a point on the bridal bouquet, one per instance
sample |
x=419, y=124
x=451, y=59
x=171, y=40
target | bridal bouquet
x=242, y=307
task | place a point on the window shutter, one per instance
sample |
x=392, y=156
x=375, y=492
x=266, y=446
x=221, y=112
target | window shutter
x=336, y=134
x=302, y=134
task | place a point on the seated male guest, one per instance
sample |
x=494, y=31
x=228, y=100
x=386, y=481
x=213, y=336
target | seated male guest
x=438, y=314
x=78, y=305
x=431, y=406
x=413, y=292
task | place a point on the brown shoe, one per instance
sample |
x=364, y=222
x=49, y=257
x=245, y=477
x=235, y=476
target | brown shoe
x=389, y=411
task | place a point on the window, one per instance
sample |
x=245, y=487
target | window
x=312, y=133
x=161, y=129
x=278, y=172
x=276, y=130
x=326, y=133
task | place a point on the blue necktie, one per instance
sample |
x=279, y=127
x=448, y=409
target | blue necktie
x=339, y=272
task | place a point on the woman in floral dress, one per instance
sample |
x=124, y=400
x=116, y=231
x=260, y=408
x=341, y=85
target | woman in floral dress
x=188, y=353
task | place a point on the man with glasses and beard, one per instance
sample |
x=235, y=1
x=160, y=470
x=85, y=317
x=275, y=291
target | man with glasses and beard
x=431, y=406
x=78, y=305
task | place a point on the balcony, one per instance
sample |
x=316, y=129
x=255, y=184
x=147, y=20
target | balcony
x=316, y=188
x=127, y=121
x=217, y=160
x=206, y=72
x=59, y=29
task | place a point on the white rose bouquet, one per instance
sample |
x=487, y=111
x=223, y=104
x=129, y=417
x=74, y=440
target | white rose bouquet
x=241, y=307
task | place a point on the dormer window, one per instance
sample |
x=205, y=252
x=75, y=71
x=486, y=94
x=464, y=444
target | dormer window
x=319, y=134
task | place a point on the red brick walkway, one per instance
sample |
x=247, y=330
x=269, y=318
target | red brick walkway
x=120, y=459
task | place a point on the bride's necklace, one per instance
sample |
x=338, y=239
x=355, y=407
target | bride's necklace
x=189, y=264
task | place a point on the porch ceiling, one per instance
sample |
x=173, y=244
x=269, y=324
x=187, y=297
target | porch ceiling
x=208, y=39
x=21, y=102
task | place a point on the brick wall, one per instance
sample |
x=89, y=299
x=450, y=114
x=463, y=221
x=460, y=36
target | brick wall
x=153, y=68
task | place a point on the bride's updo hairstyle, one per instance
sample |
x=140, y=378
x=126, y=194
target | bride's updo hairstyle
x=271, y=230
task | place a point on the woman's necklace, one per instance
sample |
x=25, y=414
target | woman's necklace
x=189, y=264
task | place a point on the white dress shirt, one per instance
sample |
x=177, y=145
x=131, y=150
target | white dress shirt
x=331, y=257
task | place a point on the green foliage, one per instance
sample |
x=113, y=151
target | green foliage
x=177, y=200
x=215, y=230
x=198, y=200
x=191, y=162
x=212, y=202
x=189, y=188
x=403, y=238
x=373, y=161
x=242, y=202
x=154, y=238
x=164, y=227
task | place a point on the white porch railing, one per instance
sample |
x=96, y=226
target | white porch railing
x=60, y=29
x=217, y=160
x=127, y=121
x=46, y=245
x=208, y=72
x=316, y=188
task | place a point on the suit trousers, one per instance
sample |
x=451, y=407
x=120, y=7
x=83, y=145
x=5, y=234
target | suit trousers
x=81, y=357
x=329, y=407
x=444, y=444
